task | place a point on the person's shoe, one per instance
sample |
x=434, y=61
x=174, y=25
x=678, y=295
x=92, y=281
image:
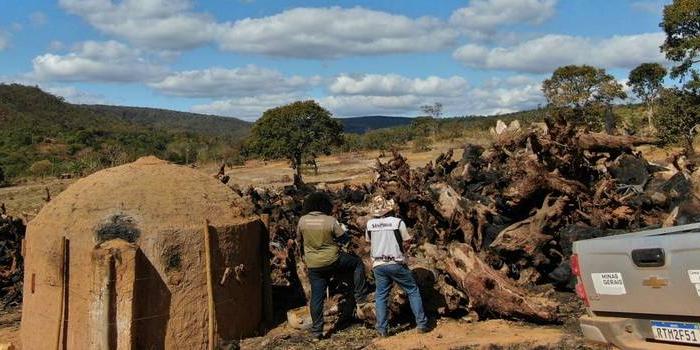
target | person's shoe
x=316, y=337
x=383, y=334
x=424, y=330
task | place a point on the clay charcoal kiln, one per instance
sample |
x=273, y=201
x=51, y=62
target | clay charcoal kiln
x=147, y=255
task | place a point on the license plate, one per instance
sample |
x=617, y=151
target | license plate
x=677, y=332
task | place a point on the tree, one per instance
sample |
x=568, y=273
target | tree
x=296, y=132
x=423, y=126
x=2, y=177
x=579, y=86
x=646, y=82
x=434, y=110
x=678, y=117
x=587, y=91
x=681, y=22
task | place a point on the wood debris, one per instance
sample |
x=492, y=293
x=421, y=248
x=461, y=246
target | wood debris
x=493, y=230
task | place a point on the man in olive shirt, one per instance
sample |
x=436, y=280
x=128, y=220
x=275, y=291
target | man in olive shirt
x=319, y=233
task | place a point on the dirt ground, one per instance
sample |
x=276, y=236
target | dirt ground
x=355, y=167
x=25, y=200
x=447, y=335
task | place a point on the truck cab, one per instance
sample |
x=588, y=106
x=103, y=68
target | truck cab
x=641, y=290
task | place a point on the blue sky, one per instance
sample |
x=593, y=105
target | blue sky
x=240, y=57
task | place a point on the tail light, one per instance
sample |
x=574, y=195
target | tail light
x=581, y=292
x=575, y=267
x=576, y=271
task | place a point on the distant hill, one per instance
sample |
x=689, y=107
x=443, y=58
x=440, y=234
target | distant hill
x=37, y=126
x=175, y=121
x=361, y=125
x=29, y=107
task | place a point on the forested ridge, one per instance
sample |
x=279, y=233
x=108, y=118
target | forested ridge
x=41, y=134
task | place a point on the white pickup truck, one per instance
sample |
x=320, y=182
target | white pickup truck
x=642, y=290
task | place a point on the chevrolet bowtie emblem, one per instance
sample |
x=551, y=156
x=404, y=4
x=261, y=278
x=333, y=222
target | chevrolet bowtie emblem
x=655, y=282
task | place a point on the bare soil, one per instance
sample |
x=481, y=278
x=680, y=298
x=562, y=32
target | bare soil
x=447, y=335
x=338, y=169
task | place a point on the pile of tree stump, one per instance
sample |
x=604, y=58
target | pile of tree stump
x=11, y=263
x=493, y=229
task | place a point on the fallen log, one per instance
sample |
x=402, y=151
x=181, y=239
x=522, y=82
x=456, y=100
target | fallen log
x=601, y=142
x=492, y=293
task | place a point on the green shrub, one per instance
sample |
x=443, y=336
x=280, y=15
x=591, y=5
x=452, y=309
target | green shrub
x=41, y=168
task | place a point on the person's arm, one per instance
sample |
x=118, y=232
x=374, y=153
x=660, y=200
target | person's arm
x=405, y=236
x=340, y=233
x=299, y=240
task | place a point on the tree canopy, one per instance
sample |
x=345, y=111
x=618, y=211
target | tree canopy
x=298, y=131
x=646, y=81
x=434, y=110
x=677, y=117
x=583, y=93
x=681, y=22
x=579, y=86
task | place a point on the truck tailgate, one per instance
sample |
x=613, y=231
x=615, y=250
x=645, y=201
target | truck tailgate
x=653, y=272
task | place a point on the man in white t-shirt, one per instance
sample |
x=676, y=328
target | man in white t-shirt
x=388, y=236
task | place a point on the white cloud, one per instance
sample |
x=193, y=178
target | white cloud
x=546, y=53
x=348, y=95
x=393, y=84
x=108, y=61
x=487, y=16
x=336, y=32
x=494, y=96
x=246, y=108
x=220, y=82
x=503, y=95
x=358, y=105
x=362, y=94
x=300, y=32
x=390, y=94
x=155, y=24
x=38, y=18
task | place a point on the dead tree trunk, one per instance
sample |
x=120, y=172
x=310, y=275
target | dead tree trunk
x=491, y=292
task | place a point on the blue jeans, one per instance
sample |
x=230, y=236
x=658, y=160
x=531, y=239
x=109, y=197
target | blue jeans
x=384, y=275
x=319, y=278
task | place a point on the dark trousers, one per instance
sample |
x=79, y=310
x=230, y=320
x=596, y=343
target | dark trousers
x=319, y=278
